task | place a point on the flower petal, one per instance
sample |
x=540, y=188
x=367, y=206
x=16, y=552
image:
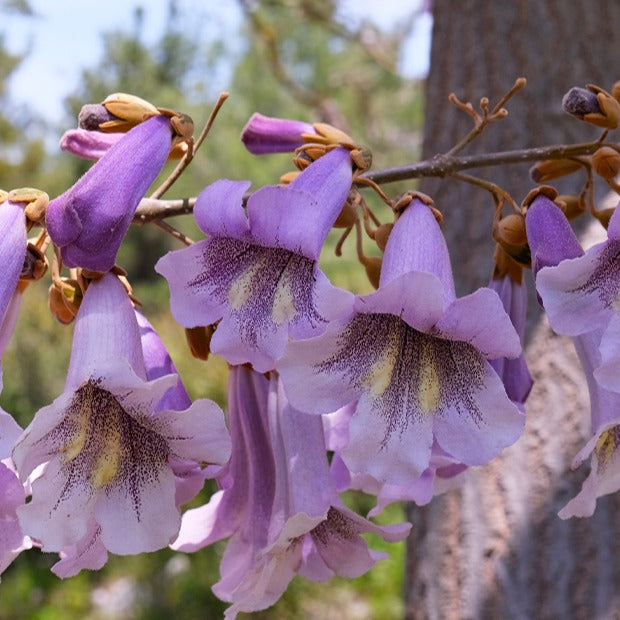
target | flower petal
x=219, y=211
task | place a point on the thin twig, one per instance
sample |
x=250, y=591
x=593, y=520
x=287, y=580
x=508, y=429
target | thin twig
x=438, y=166
x=172, y=231
x=480, y=122
x=498, y=193
x=187, y=158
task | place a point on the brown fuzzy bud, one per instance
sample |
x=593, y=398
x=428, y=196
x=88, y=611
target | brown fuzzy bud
x=543, y=171
x=615, y=91
x=64, y=301
x=606, y=162
x=511, y=230
x=382, y=234
x=580, y=101
x=199, y=340
x=573, y=206
x=347, y=216
x=94, y=114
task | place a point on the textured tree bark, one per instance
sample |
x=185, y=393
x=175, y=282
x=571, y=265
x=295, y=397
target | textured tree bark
x=495, y=548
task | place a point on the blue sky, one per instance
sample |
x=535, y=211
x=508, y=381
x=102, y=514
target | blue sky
x=65, y=36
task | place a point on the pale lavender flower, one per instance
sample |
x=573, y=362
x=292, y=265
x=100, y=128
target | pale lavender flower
x=105, y=447
x=553, y=244
x=513, y=372
x=12, y=494
x=415, y=358
x=278, y=502
x=258, y=273
x=88, y=222
x=443, y=473
x=582, y=294
x=88, y=144
x=265, y=134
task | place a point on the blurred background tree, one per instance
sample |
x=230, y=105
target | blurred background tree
x=299, y=59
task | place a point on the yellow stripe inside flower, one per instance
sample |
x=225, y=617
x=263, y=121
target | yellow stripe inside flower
x=283, y=307
x=380, y=375
x=241, y=289
x=606, y=446
x=107, y=463
x=428, y=380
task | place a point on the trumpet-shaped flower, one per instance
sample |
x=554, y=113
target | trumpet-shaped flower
x=553, y=245
x=582, y=295
x=258, y=273
x=415, y=359
x=105, y=446
x=278, y=502
x=88, y=222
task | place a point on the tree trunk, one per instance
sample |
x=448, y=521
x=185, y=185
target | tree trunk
x=496, y=548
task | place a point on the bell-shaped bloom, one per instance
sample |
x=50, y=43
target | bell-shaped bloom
x=513, y=372
x=258, y=273
x=88, y=222
x=265, y=134
x=90, y=552
x=443, y=473
x=105, y=446
x=553, y=244
x=278, y=502
x=582, y=295
x=414, y=357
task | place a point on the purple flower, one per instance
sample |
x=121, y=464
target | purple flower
x=264, y=134
x=12, y=255
x=105, y=446
x=581, y=294
x=88, y=222
x=278, y=502
x=442, y=474
x=513, y=372
x=258, y=273
x=12, y=495
x=553, y=245
x=88, y=144
x=415, y=359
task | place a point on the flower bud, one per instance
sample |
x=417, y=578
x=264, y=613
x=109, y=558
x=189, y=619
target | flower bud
x=548, y=169
x=606, y=162
x=131, y=111
x=573, y=206
x=511, y=230
x=92, y=115
x=263, y=134
x=615, y=91
x=580, y=101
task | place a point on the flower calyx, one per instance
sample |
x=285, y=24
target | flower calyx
x=594, y=105
x=128, y=111
x=35, y=265
x=324, y=140
x=606, y=162
x=182, y=127
x=199, y=340
x=35, y=203
x=549, y=169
